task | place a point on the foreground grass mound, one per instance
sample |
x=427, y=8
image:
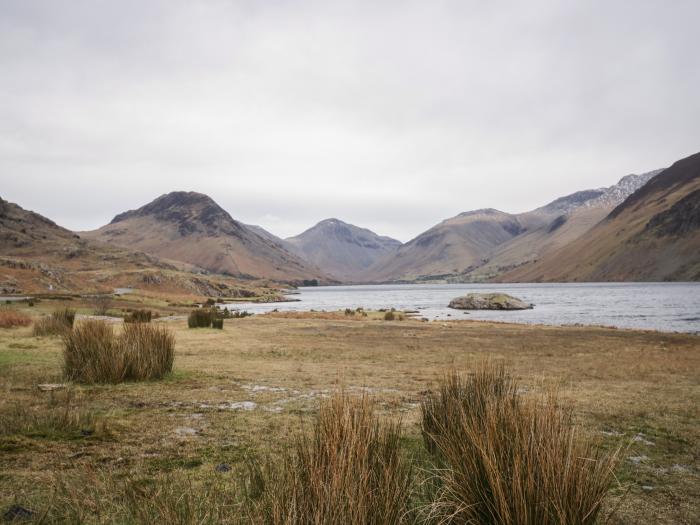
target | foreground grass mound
x=351, y=470
x=94, y=354
x=58, y=323
x=10, y=318
x=505, y=458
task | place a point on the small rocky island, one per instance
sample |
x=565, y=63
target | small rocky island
x=488, y=301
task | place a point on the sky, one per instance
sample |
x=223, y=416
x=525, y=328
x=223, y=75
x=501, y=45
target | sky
x=392, y=115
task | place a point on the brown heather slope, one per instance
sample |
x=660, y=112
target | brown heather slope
x=340, y=249
x=191, y=227
x=38, y=256
x=654, y=235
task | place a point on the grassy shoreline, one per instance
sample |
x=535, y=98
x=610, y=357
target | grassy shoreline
x=251, y=387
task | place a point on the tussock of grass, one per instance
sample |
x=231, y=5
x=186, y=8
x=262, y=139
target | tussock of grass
x=505, y=458
x=58, y=323
x=350, y=471
x=94, y=354
x=10, y=318
x=138, y=316
x=201, y=318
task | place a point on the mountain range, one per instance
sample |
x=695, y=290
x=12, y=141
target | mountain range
x=644, y=227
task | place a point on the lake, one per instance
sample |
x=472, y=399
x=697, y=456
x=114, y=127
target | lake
x=670, y=307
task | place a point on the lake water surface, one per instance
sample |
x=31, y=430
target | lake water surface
x=670, y=307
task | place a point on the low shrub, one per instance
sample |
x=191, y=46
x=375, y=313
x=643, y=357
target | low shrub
x=10, y=318
x=352, y=470
x=504, y=458
x=138, y=316
x=217, y=323
x=58, y=323
x=349, y=311
x=94, y=354
x=238, y=314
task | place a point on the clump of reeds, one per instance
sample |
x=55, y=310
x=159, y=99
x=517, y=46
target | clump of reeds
x=389, y=316
x=505, y=458
x=58, y=323
x=351, y=471
x=94, y=354
x=201, y=318
x=217, y=323
x=138, y=316
x=10, y=318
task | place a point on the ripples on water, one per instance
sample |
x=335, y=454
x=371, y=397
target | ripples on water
x=671, y=307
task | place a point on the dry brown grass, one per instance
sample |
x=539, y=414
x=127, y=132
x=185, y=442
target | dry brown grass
x=10, y=318
x=504, y=458
x=623, y=385
x=350, y=471
x=93, y=354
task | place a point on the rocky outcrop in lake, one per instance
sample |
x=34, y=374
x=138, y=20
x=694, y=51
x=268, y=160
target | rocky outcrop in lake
x=488, y=301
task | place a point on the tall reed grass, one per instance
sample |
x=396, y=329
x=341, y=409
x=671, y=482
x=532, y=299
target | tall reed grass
x=505, y=458
x=351, y=471
x=58, y=323
x=94, y=354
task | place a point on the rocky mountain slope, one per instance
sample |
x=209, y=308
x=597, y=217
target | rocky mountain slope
x=653, y=235
x=191, y=227
x=481, y=245
x=340, y=249
x=38, y=256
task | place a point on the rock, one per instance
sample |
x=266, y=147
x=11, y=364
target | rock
x=50, y=387
x=488, y=301
x=17, y=513
x=223, y=467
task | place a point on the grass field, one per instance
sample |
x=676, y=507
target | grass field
x=249, y=389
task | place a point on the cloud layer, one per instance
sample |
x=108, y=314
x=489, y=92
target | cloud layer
x=390, y=115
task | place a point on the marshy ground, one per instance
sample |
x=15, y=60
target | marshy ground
x=250, y=388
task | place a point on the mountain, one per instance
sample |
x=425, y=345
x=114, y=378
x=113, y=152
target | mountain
x=191, y=227
x=653, y=235
x=451, y=247
x=340, y=249
x=38, y=256
x=483, y=244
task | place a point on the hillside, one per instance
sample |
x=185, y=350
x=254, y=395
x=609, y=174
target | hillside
x=483, y=244
x=191, y=227
x=38, y=256
x=340, y=249
x=654, y=235
x=451, y=247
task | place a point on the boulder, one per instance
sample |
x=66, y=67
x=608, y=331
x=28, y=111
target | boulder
x=488, y=301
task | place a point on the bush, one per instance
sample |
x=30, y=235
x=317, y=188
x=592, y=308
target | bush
x=138, y=316
x=389, y=316
x=350, y=471
x=58, y=323
x=93, y=354
x=502, y=458
x=217, y=323
x=240, y=314
x=10, y=318
x=201, y=318
x=349, y=311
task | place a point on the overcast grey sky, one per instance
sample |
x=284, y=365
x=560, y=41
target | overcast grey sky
x=392, y=115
